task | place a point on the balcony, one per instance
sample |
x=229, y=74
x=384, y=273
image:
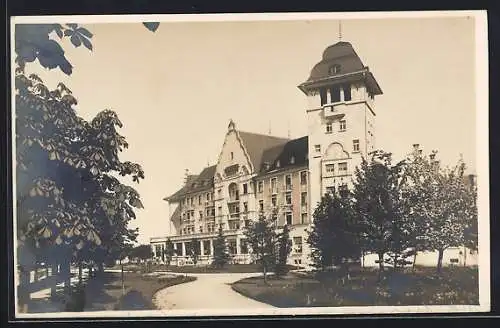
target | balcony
x=334, y=110
x=288, y=187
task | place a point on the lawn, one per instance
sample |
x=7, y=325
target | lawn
x=104, y=292
x=453, y=286
x=230, y=268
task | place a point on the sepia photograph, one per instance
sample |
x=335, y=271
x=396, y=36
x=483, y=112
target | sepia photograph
x=250, y=164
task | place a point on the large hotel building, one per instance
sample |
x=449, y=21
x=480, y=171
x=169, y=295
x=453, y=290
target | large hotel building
x=280, y=177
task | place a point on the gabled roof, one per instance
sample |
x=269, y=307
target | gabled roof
x=256, y=144
x=195, y=183
x=280, y=157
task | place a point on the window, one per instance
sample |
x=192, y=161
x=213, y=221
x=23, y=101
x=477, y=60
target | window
x=273, y=200
x=206, y=247
x=274, y=188
x=347, y=92
x=288, y=216
x=245, y=189
x=303, y=218
x=278, y=164
x=288, y=181
x=303, y=198
x=330, y=168
x=288, y=198
x=355, y=145
x=243, y=246
x=208, y=197
x=261, y=205
x=199, y=200
x=297, y=242
x=317, y=148
x=274, y=218
x=219, y=193
x=201, y=215
x=232, y=246
x=201, y=229
x=330, y=190
x=219, y=210
x=329, y=128
x=292, y=160
x=245, y=207
x=303, y=177
x=232, y=155
x=342, y=126
x=260, y=186
x=343, y=167
x=322, y=94
x=343, y=189
x=334, y=69
x=334, y=94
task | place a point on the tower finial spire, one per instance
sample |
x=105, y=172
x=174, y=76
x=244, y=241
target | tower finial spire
x=340, y=30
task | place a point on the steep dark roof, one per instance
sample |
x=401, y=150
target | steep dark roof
x=256, y=144
x=296, y=148
x=195, y=183
x=341, y=53
x=351, y=66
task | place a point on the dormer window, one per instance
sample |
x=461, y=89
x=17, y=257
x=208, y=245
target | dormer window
x=232, y=155
x=278, y=163
x=292, y=160
x=334, y=69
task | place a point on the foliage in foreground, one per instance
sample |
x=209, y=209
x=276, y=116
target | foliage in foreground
x=455, y=286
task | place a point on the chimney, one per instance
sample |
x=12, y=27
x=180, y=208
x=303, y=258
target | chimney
x=186, y=175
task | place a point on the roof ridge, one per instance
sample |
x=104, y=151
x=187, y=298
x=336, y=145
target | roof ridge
x=264, y=135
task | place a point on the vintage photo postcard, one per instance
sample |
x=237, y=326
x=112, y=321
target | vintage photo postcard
x=250, y=164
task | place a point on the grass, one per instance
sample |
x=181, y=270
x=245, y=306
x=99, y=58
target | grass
x=453, y=286
x=104, y=293
x=230, y=268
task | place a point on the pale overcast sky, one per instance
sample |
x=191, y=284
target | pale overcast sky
x=175, y=90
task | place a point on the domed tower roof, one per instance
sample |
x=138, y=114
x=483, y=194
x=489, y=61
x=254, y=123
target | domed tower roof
x=340, y=62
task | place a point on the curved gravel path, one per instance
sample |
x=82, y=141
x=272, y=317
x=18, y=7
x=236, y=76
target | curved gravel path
x=208, y=291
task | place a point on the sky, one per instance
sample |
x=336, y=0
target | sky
x=175, y=90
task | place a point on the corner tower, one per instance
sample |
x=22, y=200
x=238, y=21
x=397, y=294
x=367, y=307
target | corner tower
x=341, y=118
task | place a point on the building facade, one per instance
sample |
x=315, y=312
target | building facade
x=279, y=177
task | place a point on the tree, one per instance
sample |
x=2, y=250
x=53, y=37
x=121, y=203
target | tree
x=70, y=206
x=335, y=234
x=195, y=250
x=221, y=253
x=142, y=252
x=444, y=203
x=378, y=206
x=284, y=246
x=262, y=238
x=169, y=251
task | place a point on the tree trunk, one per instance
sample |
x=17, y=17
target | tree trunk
x=80, y=272
x=395, y=265
x=54, y=274
x=66, y=273
x=100, y=266
x=122, y=276
x=465, y=256
x=264, y=269
x=380, y=265
x=440, y=260
x=414, y=260
x=23, y=289
x=363, y=259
